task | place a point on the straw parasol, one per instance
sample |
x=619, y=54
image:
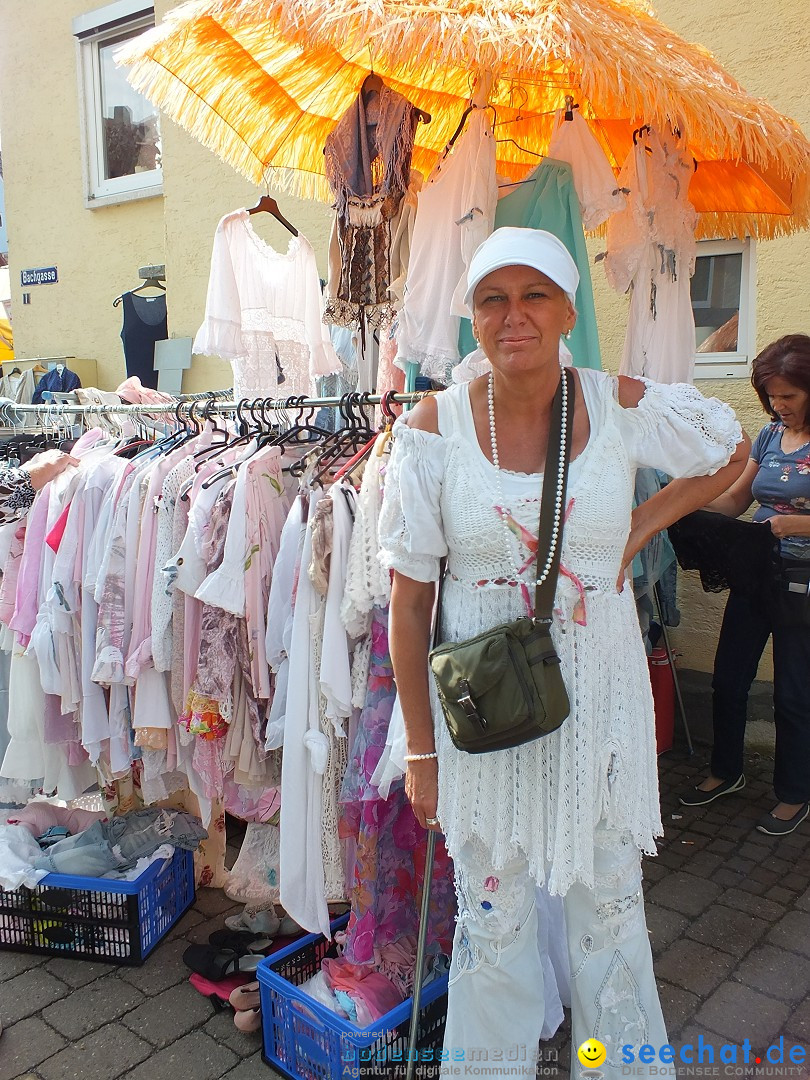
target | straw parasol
x=262, y=82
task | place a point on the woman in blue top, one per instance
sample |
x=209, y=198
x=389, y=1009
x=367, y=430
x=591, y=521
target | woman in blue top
x=777, y=477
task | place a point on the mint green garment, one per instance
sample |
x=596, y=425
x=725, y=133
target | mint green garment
x=548, y=200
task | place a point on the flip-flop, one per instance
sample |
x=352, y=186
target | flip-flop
x=263, y=922
x=245, y=997
x=240, y=941
x=215, y=964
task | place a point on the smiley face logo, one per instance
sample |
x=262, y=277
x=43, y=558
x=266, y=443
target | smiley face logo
x=592, y=1054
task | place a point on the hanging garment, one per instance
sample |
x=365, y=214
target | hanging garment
x=145, y=322
x=368, y=165
x=547, y=199
x=597, y=190
x=59, y=381
x=455, y=212
x=263, y=312
x=544, y=797
x=389, y=844
x=306, y=752
x=651, y=248
x=20, y=388
x=727, y=552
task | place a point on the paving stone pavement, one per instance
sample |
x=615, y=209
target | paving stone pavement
x=728, y=911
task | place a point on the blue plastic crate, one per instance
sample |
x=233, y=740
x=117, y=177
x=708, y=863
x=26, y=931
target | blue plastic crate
x=98, y=918
x=305, y=1040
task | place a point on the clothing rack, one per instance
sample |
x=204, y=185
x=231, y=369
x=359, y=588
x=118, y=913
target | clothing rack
x=182, y=407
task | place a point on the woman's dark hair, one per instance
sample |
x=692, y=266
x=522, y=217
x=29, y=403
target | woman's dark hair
x=788, y=358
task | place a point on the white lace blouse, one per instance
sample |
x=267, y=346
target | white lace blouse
x=544, y=798
x=265, y=306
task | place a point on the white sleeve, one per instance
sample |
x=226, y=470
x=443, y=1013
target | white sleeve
x=676, y=429
x=221, y=331
x=323, y=360
x=411, y=530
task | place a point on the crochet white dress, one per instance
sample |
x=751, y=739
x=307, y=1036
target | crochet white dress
x=543, y=799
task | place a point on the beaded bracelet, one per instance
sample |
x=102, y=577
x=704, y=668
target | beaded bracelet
x=421, y=757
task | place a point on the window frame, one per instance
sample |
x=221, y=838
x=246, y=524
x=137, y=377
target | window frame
x=733, y=365
x=92, y=31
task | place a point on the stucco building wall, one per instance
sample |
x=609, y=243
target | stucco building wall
x=98, y=252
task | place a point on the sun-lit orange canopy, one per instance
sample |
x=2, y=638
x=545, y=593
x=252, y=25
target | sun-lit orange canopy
x=262, y=83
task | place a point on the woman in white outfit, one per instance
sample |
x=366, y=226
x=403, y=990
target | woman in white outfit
x=574, y=810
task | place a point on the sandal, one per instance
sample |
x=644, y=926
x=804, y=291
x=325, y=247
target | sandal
x=249, y=1020
x=245, y=997
x=240, y=941
x=215, y=964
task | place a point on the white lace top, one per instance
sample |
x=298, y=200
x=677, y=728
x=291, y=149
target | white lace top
x=455, y=213
x=545, y=797
x=263, y=306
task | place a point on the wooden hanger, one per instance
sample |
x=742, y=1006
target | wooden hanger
x=373, y=84
x=268, y=205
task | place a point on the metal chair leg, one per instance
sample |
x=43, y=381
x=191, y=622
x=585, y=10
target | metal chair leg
x=671, y=658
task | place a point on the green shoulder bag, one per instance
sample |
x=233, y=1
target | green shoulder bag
x=504, y=687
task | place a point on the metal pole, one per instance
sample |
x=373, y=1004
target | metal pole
x=418, y=972
x=217, y=405
x=675, y=679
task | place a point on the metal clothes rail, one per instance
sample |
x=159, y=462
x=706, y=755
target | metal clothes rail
x=186, y=408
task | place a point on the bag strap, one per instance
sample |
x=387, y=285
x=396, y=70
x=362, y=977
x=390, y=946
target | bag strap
x=544, y=591
x=552, y=503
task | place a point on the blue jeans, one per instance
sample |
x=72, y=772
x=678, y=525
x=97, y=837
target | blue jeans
x=119, y=843
x=744, y=634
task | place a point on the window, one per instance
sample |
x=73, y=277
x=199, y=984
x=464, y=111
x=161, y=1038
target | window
x=723, y=303
x=121, y=129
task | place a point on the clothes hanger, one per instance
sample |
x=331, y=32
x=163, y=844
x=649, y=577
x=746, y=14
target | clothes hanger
x=244, y=435
x=523, y=149
x=300, y=427
x=209, y=416
x=150, y=283
x=373, y=84
x=357, y=434
x=312, y=458
x=353, y=462
x=268, y=205
x=183, y=433
x=470, y=108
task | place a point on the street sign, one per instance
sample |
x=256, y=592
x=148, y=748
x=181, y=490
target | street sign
x=43, y=275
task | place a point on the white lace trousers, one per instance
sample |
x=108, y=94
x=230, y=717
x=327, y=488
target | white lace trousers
x=497, y=1001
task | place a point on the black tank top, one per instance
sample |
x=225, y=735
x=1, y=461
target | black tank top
x=144, y=324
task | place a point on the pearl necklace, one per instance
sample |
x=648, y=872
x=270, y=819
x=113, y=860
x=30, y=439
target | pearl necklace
x=555, y=531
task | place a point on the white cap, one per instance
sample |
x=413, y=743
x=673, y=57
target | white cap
x=523, y=247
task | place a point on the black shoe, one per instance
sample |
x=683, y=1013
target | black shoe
x=775, y=826
x=696, y=797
